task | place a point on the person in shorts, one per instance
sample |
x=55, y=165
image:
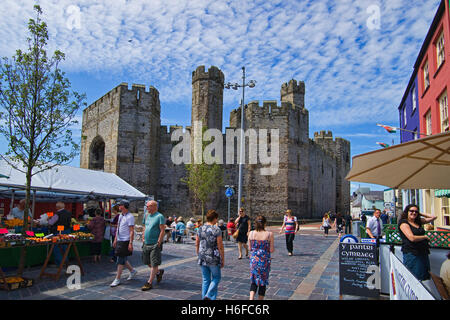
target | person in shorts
x=123, y=243
x=154, y=228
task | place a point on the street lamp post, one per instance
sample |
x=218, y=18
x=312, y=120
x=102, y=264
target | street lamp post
x=235, y=86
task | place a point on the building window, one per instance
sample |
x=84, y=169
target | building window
x=428, y=127
x=443, y=106
x=440, y=52
x=415, y=135
x=404, y=116
x=445, y=211
x=426, y=76
x=414, y=105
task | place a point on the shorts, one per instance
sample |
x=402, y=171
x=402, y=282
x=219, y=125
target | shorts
x=122, y=260
x=151, y=254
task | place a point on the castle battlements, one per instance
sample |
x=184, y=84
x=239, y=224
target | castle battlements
x=323, y=135
x=292, y=87
x=213, y=73
x=293, y=92
x=124, y=87
x=270, y=108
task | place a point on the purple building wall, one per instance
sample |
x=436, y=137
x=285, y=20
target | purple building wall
x=408, y=112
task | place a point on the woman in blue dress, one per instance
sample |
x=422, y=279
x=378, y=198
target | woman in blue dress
x=261, y=244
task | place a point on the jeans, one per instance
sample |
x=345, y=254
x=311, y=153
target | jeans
x=419, y=265
x=211, y=278
x=348, y=228
x=290, y=242
x=57, y=255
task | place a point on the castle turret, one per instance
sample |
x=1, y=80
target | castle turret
x=207, y=97
x=293, y=93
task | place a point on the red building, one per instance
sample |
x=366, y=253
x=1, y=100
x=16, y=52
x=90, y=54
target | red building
x=433, y=66
x=433, y=73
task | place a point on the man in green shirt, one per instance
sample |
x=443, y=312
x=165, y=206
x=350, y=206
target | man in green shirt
x=154, y=227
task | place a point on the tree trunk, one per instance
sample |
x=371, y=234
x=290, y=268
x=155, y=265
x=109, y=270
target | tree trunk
x=203, y=212
x=23, y=251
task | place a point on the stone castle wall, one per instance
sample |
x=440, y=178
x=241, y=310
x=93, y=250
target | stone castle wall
x=128, y=121
x=310, y=177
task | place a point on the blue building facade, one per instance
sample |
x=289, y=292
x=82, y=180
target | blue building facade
x=409, y=120
x=409, y=111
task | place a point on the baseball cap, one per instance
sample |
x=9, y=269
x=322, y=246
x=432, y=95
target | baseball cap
x=124, y=203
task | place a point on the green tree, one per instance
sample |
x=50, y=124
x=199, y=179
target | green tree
x=37, y=110
x=203, y=179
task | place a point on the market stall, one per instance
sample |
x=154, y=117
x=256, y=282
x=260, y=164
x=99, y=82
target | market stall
x=73, y=186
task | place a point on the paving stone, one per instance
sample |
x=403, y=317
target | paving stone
x=297, y=277
x=74, y=293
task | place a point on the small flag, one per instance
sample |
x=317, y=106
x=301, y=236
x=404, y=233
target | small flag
x=384, y=145
x=388, y=128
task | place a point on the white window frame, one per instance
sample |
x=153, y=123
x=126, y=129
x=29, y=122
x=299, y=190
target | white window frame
x=440, y=50
x=443, y=108
x=426, y=76
x=414, y=104
x=405, y=121
x=445, y=210
x=428, y=123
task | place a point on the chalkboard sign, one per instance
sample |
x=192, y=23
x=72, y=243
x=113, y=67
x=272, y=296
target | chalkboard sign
x=354, y=262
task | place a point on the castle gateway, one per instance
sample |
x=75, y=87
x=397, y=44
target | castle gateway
x=122, y=134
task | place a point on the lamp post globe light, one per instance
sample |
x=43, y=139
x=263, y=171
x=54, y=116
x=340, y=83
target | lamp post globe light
x=235, y=86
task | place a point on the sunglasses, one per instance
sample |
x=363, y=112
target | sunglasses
x=414, y=211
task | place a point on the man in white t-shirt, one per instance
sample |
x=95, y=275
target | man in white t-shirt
x=124, y=239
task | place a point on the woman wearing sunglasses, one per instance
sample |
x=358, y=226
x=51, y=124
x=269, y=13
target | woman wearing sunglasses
x=415, y=243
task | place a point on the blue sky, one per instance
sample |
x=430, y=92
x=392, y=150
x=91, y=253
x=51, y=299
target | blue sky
x=356, y=57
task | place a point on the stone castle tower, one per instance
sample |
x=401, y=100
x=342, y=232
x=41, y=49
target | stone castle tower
x=207, y=97
x=122, y=134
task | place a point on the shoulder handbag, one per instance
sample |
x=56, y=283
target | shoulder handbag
x=236, y=234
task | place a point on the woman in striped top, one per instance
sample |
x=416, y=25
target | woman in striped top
x=290, y=225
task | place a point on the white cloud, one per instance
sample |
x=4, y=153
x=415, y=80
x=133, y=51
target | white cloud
x=349, y=70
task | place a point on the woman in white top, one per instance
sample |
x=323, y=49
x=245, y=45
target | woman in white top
x=326, y=224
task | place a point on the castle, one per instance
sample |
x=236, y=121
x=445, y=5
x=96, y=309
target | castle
x=122, y=134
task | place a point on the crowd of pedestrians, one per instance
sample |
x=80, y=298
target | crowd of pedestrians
x=251, y=237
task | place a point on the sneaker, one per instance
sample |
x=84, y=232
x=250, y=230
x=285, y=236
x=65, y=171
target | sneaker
x=115, y=283
x=159, y=276
x=146, y=286
x=132, y=274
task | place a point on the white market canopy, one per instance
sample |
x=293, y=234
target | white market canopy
x=66, y=181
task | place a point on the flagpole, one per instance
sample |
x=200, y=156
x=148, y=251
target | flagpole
x=397, y=128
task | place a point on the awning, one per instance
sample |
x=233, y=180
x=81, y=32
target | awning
x=73, y=182
x=441, y=193
x=418, y=164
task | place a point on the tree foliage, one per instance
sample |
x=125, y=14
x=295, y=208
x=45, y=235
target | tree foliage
x=203, y=179
x=37, y=107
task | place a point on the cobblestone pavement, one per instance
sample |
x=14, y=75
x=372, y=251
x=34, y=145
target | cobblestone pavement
x=310, y=274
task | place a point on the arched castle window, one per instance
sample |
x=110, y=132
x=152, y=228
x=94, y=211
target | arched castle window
x=97, y=154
